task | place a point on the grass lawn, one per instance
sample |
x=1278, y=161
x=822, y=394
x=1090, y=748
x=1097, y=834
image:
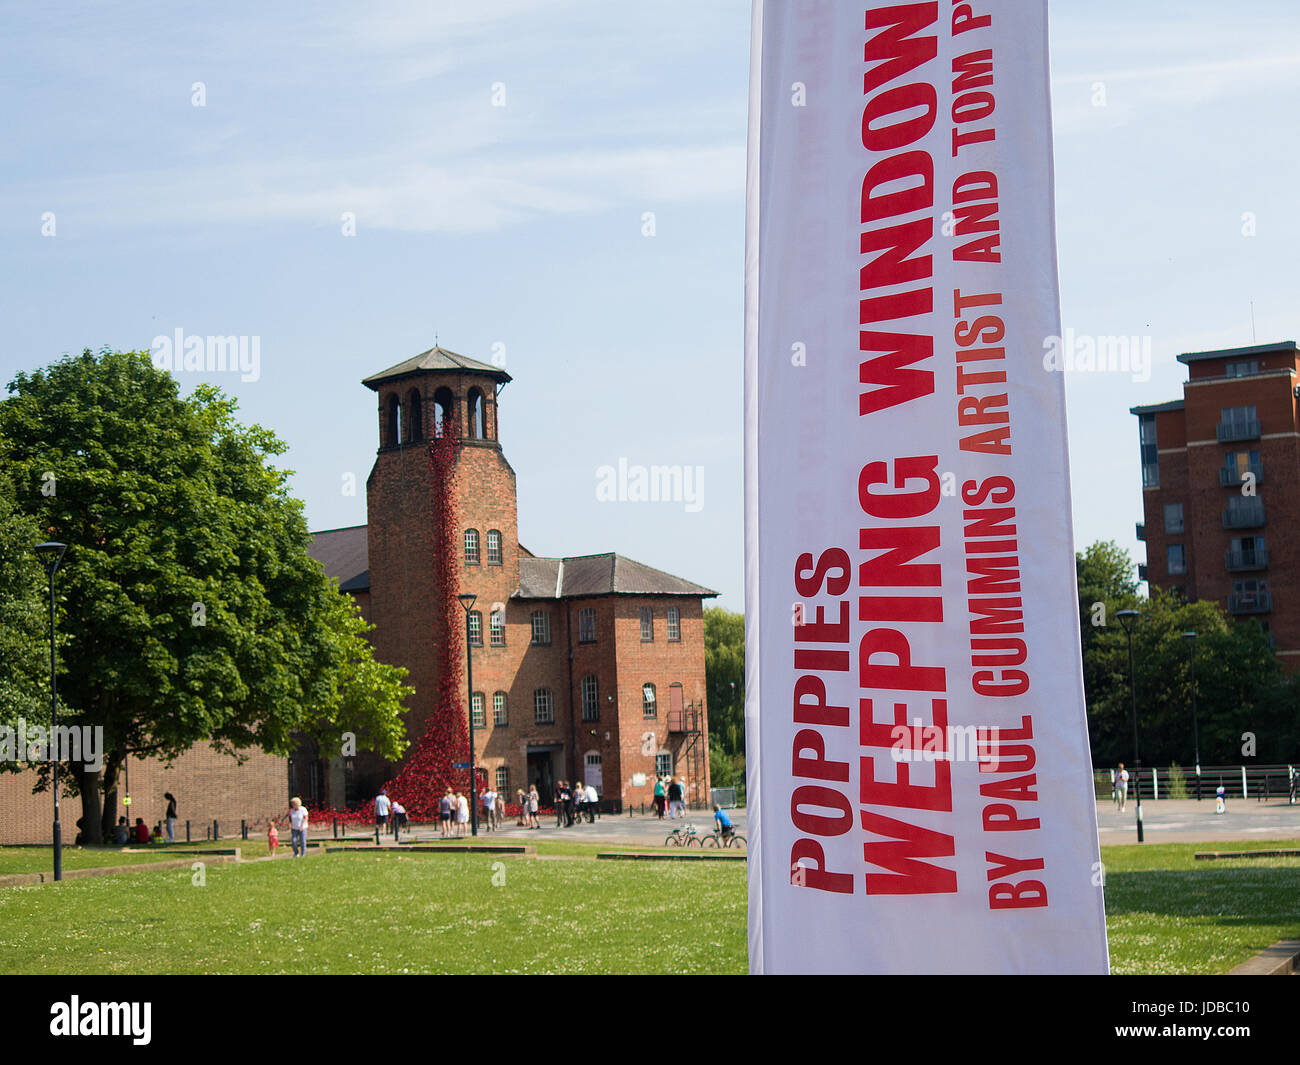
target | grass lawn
x=1167, y=913
x=385, y=913
x=393, y=913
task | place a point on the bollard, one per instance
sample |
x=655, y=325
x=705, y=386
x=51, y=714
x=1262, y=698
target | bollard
x=216, y=831
x=336, y=828
x=187, y=831
x=243, y=829
x=376, y=835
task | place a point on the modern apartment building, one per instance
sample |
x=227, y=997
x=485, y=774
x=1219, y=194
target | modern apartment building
x=1221, y=488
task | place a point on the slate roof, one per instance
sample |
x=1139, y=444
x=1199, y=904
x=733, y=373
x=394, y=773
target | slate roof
x=608, y=574
x=345, y=554
x=436, y=358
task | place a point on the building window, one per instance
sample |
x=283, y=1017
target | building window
x=587, y=625
x=497, y=628
x=1242, y=369
x=502, y=783
x=541, y=627
x=1175, y=560
x=663, y=764
x=649, y=707
x=647, y=625
x=476, y=712
x=499, y=709
x=1150, y=456
x=590, y=699
x=1173, y=517
x=543, y=707
x=471, y=547
x=476, y=628
x=494, y=547
x=674, y=624
x=476, y=419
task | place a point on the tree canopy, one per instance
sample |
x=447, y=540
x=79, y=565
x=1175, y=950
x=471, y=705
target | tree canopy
x=191, y=610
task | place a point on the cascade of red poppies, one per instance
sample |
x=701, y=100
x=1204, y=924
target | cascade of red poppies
x=428, y=769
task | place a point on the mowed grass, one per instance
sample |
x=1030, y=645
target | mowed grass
x=394, y=913
x=386, y=913
x=1167, y=913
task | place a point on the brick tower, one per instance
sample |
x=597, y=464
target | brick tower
x=427, y=396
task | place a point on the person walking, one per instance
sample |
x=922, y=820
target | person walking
x=660, y=796
x=1121, y=787
x=382, y=806
x=593, y=801
x=298, y=823
x=462, y=814
x=445, y=811
x=272, y=837
x=534, y=805
x=489, y=807
x=170, y=816
x=675, y=805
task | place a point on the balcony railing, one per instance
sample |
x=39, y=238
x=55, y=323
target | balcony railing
x=1232, y=476
x=1141, y=531
x=1237, y=561
x=1142, y=571
x=1246, y=429
x=1246, y=515
x=1256, y=603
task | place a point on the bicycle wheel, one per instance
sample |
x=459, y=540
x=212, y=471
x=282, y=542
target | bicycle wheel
x=694, y=841
x=709, y=841
x=738, y=842
x=673, y=841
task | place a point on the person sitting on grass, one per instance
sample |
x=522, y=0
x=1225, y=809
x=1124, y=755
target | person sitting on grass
x=272, y=837
x=723, y=821
x=157, y=836
x=122, y=834
x=141, y=831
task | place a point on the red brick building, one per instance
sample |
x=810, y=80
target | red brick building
x=588, y=668
x=1220, y=489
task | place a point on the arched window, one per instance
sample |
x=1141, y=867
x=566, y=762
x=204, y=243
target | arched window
x=393, y=430
x=471, y=546
x=499, y=716
x=494, y=547
x=414, y=419
x=649, y=705
x=441, y=410
x=476, y=414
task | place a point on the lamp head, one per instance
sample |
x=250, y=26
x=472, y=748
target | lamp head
x=1127, y=618
x=467, y=600
x=51, y=554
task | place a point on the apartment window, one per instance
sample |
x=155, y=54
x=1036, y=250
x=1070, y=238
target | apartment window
x=541, y=627
x=502, y=783
x=674, y=624
x=1175, y=561
x=1173, y=517
x=476, y=712
x=497, y=628
x=1239, y=463
x=1150, y=457
x=1250, y=590
x=647, y=625
x=499, y=709
x=649, y=707
x=543, y=707
x=590, y=698
x=476, y=628
x=494, y=547
x=1242, y=369
x=663, y=764
x=587, y=625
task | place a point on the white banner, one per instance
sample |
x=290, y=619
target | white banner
x=920, y=788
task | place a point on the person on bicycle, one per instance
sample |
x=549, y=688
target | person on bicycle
x=724, y=822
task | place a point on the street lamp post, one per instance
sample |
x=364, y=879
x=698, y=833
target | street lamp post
x=51, y=554
x=467, y=601
x=1190, y=637
x=1128, y=618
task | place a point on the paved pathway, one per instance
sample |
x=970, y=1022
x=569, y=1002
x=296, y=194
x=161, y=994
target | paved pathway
x=1189, y=821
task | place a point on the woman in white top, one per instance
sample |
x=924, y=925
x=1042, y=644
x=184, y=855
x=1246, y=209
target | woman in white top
x=462, y=813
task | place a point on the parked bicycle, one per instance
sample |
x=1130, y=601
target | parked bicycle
x=684, y=837
x=724, y=839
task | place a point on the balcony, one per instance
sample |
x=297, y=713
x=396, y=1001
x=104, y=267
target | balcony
x=1246, y=429
x=1246, y=514
x=1141, y=532
x=1241, y=561
x=1256, y=603
x=1231, y=476
x=1142, y=571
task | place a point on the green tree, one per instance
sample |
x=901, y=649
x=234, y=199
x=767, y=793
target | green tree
x=24, y=616
x=724, y=673
x=191, y=609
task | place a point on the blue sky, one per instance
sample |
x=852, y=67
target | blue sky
x=522, y=225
